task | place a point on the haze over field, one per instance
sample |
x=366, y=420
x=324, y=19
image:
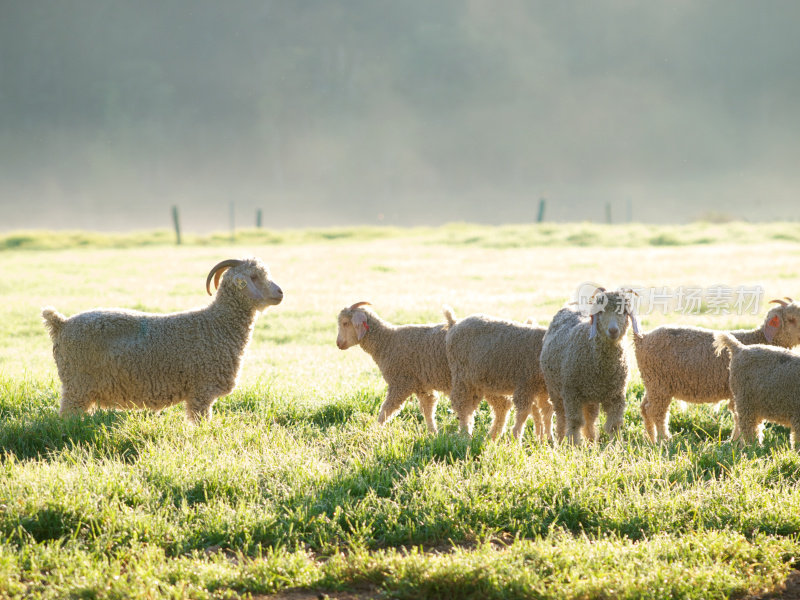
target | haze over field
x=415, y=112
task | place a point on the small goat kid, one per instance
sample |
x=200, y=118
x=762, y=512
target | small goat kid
x=411, y=358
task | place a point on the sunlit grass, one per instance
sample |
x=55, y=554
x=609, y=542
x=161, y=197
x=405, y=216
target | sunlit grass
x=293, y=484
x=320, y=495
x=466, y=234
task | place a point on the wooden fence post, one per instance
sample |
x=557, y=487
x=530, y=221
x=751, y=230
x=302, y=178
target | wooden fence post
x=176, y=222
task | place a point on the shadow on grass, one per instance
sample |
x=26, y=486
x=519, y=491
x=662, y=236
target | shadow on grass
x=698, y=424
x=43, y=435
x=342, y=510
x=288, y=412
x=388, y=464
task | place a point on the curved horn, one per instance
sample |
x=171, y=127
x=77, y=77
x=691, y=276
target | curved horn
x=360, y=304
x=217, y=272
x=597, y=291
x=789, y=299
x=781, y=302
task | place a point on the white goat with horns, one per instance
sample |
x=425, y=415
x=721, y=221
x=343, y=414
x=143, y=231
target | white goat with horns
x=117, y=358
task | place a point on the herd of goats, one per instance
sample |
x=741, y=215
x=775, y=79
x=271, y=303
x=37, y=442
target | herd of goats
x=116, y=358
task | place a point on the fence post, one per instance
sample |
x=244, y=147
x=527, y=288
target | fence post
x=540, y=216
x=608, y=213
x=258, y=218
x=176, y=222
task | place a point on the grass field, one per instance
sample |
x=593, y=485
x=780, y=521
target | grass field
x=292, y=487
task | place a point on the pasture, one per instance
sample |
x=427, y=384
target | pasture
x=293, y=489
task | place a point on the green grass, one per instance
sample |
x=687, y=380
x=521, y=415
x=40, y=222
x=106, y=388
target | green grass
x=293, y=486
x=270, y=495
x=60, y=240
x=466, y=234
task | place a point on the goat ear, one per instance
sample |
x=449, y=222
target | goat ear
x=359, y=320
x=771, y=327
x=634, y=323
x=593, y=330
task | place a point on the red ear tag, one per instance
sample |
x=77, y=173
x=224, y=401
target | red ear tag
x=774, y=321
x=366, y=327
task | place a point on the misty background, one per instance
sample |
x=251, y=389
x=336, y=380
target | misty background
x=338, y=112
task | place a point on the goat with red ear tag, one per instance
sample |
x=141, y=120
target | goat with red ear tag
x=764, y=382
x=678, y=361
x=411, y=358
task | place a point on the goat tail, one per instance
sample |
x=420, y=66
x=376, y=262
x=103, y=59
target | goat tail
x=725, y=341
x=449, y=314
x=53, y=321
